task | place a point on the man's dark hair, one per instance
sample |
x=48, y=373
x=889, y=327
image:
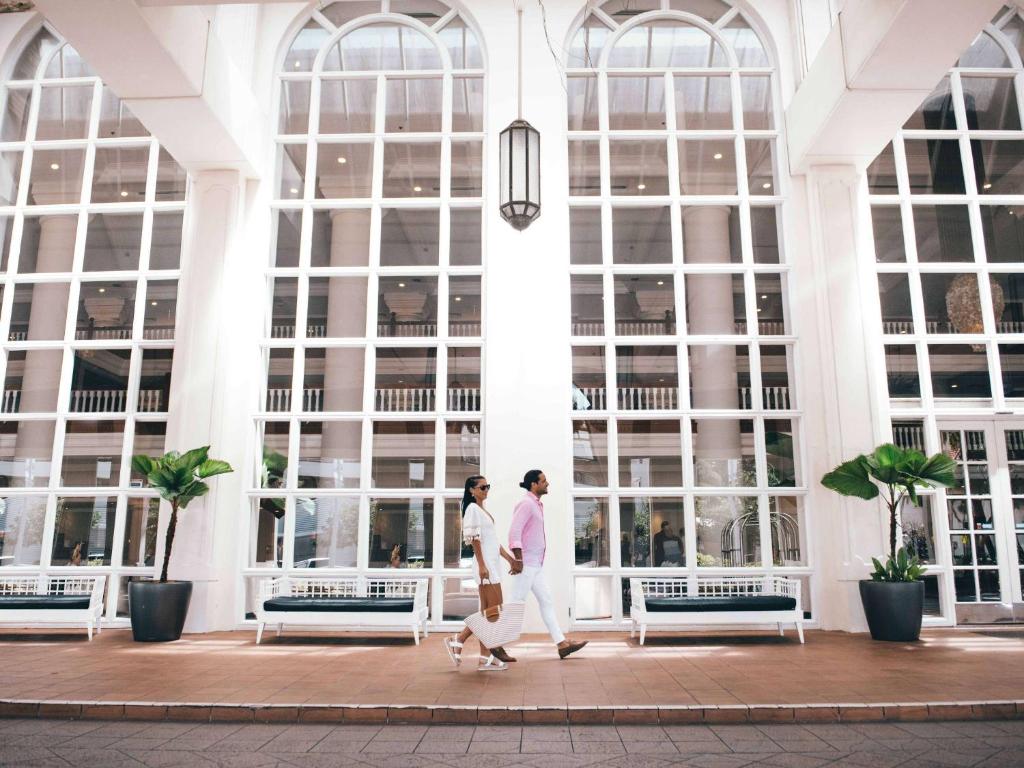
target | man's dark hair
x=664, y=523
x=530, y=478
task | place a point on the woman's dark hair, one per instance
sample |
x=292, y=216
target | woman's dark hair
x=530, y=478
x=467, y=497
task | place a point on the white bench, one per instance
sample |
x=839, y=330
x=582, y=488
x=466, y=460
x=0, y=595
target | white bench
x=669, y=603
x=350, y=602
x=42, y=599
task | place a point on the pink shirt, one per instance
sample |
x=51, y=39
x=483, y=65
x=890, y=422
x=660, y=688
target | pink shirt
x=527, y=530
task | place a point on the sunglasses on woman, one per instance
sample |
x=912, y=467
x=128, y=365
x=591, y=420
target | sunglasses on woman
x=483, y=487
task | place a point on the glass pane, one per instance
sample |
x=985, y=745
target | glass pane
x=592, y=598
x=720, y=377
x=467, y=104
x=171, y=178
x=585, y=50
x=467, y=168
x=119, y=175
x=274, y=470
x=901, y=370
x=646, y=378
x=48, y=244
x=991, y=103
x=165, y=247
x=952, y=303
x=279, y=379
x=934, y=166
x=588, y=379
x=35, y=53
x=341, y=238
x=959, y=370
x=329, y=454
x=644, y=305
x=1004, y=233
x=715, y=304
x=413, y=105
x=100, y=380
x=764, y=234
x=412, y=170
x=643, y=516
x=333, y=379
x=464, y=307
x=936, y=112
x=38, y=311
x=113, y=242
x=638, y=167
x=32, y=381
x=707, y=167
x=649, y=454
x=728, y=532
x=68, y=63
x=636, y=103
x=1007, y=302
x=723, y=451
x=582, y=103
x=347, y=106
x=304, y=49
x=401, y=533
x=343, y=170
x=160, y=309
x=711, y=234
x=383, y=46
x=666, y=43
x=294, y=115
x=83, y=532
x=882, y=173
x=590, y=454
x=1011, y=360
x=744, y=41
x=140, y=531
x=293, y=171
x=116, y=120
x=999, y=166
x=106, y=310
x=756, y=92
x=405, y=379
x=403, y=454
x=466, y=237
x=326, y=532
x=463, y=379
x=585, y=168
x=705, y=103
x=462, y=45
x=21, y=529
x=337, y=307
x=150, y=439
x=590, y=526
x=27, y=447
x=15, y=118
x=640, y=236
x=57, y=175
x=585, y=236
x=887, y=225
x=289, y=229
x=408, y=238
x=155, y=380
x=943, y=233
x=772, y=317
x=587, y=298
x=761, y=167
x=10, y=173
x=284, y=292
x=781, y=451
x=788, y=538
x=92, y=453
x=462, y=452
x=64, y=112
x=268, y=533
x=457, y=555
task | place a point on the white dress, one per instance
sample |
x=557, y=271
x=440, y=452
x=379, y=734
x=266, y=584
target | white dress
x=477, y=523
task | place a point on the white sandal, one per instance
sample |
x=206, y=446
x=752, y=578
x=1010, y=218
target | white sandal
x=491, y=664
x=454, y=648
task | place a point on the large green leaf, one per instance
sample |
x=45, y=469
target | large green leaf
x=884, y=463
x=212, y=467
x=934, y=470
x=851, y=479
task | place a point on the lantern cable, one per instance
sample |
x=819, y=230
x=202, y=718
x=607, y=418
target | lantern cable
x=519, y=63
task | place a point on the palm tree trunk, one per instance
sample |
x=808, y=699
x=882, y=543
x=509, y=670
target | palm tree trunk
x=170, y=539
x=893, y=509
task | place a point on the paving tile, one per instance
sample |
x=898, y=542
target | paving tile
x=598, y=748
x=494, y=747
x=402, y=747
x=665, y=747
x=440, y=747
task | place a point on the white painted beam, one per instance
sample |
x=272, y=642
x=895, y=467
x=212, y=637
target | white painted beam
x=174, y=74
x=880, y=61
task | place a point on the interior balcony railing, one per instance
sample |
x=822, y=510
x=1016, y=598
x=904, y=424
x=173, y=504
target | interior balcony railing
x=903, y=327
x=386, y=330
x=391, y=399
x=666, y=328
x=773, y=398
x=117, y=333
x=95, y=401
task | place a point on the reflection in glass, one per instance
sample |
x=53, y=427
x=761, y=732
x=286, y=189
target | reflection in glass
x=467, y=104
x=786, y=519
x=413, y=105
x=406, y=306
x=268, y=524
x=882, y=173
x=332, y=379
x=341, y=238
x=720, y=376
x=894, y=297
x=714, y=304
x=590, y=529
x=329, y=454
x=1011, y=361
x=64, y=111
x=635, y=103
x=644, y=305
x=464, y=308
x=959, y=370
x=588, y=379
x=707, y=167
x=112, y=242
x=638, y=167
x=640, y=235
x=649, y=454
x=403, y=454
x=405, y=379
x=343, y=170
x=140, y=531
x=409, y=237
x=704, y=103
x=1003, y=229
x=32, y=380
x=467, y=168
x=412, y=170
x=646, y=378
x=999, y=166
x=99, y=380
x=56, y=175
x=21, y=529
x=150, y=438
x=463, y=379
x=401, y=533
x=326, y=532
x=728, y=533
x=934, y=166
x=347, y=106
x=781, y=452
x=587, y=300
x=83, y=532
x=723, y=453
x=901, y=370
x=952, y=303
x=465, y=242
x=590, y=453
x=651, y=532
x=462, y=452
x=887, y=225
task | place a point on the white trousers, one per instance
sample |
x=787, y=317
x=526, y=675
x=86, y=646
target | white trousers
x=532, y=580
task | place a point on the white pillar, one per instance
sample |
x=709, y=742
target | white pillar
x=216, y=386
x=835, y=305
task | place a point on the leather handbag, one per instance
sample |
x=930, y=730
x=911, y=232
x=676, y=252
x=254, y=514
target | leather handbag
x=490, y=599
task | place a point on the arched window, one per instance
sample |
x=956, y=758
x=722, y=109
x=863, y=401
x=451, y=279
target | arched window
x=373, y=402
x=686, y=424
x=91, y=211
x=946, y=198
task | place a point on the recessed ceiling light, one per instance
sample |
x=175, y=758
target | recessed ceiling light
x=152, y=303
x=641, y=186
x=661, y=282
x=124, y=193
x=954, y=386
x=766, y=185
x=298, y=63
x=102, y=290
x=717, y=155
x=458, y=298
x=54, y=166
x=758, y=309
x=417, y=189
x=764, y=295
x=294, y=191
x=401, y=285
x=342, y=160
x=987, y=185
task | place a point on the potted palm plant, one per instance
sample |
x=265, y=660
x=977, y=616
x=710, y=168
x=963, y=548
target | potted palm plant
x=158, y=608
x=893, y=598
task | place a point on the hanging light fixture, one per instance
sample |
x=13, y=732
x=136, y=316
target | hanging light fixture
x=519, y=146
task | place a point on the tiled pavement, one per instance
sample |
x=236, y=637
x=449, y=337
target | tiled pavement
x=28, y=743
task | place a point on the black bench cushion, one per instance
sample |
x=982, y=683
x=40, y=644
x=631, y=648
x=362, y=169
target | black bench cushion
x=340, y=604
x=719, y=604
x=35, y=602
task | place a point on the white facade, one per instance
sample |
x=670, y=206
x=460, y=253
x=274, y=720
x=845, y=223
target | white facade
x=696, y=328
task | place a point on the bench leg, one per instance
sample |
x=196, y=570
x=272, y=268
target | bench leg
x=99, y=628
x=416, y=633
x=632, y=629
x=259, y=632
x=426, y=629
x=88, y=629
x=280, y=628
x=643, y=633
x=800, y=631
x=781, y=633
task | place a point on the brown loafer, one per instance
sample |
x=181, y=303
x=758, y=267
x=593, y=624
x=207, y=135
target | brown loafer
x=501, y=655
x=571, y=648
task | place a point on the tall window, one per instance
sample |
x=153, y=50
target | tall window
x=685, y=421
x=373, y=400
x=91, y=216
x=946, y=199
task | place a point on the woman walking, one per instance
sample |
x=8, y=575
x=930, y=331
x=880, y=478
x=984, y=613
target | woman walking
x=478, y=530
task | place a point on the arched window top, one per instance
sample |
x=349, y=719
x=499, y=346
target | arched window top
x=985, y=52
x=656, y=33
x=46, y=57
x=362, y=37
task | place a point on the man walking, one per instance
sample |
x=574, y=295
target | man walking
x=528, y=543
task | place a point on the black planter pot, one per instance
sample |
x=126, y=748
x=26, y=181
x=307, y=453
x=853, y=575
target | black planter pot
x=158, y=610
x=893, y=609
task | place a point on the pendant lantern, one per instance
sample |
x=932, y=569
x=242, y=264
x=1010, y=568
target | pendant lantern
x=519, y=154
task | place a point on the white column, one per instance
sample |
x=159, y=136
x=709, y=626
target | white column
x=835, y=305
x=710, y=311
x=216, y=385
